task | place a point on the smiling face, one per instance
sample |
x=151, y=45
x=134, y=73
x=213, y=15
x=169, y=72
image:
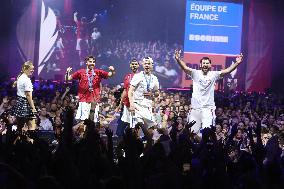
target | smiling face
x=91, y=62
x=30, y=71
x=28, y=68
x=205, y=65
x=57, y=121
x=148, y=66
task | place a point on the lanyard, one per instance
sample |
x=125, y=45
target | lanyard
x=148, y=81
x=90, y=79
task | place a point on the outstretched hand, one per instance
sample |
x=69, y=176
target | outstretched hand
x=111, y=68
x=177, y=54
x=239, y=58
x=69, y=69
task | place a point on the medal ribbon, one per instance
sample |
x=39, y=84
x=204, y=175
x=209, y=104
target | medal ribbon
x=90, y=79
x=148, y=81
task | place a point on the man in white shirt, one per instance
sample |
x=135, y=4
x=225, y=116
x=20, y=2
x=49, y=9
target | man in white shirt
x=96, y=34
x=94, y=39
x=202, y=101
x=143, y=87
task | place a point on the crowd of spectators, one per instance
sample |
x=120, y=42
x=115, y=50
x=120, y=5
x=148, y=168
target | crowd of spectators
x=126, y=49
x=120, y=52
x=244, y=150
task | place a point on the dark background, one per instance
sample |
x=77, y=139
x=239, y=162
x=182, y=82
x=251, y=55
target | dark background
x=147, y=20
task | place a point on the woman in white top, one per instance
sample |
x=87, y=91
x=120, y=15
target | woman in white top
x=24, y=109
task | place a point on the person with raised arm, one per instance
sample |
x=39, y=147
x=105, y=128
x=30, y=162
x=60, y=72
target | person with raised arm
x=202, y=101
x=89, y=88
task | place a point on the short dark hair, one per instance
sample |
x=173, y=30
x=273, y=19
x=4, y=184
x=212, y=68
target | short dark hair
x=83, y=19
x=205, y=58
x=90, y=57
x=133, y=60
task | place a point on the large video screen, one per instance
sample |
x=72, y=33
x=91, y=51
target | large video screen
x=56, y=34
x=213, y=27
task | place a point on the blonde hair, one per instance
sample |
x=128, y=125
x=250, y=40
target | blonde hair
x=148, y=59
x=25, y=67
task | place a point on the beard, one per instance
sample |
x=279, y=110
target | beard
x=134, y=69
x=205, y=69
x=91, y=67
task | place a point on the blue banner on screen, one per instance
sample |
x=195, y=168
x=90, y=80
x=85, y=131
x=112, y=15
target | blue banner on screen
x=213, y=27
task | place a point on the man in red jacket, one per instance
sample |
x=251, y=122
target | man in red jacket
x=89, y=88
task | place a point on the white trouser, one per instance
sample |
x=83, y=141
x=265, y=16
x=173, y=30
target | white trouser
x=128, y=117
x=204, y=117
x=144, y=114
x=83, y=111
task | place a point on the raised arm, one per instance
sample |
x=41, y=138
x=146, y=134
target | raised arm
x=65, y=93
x=181, y=63
x=94, y=19
x=231, y=68
x=67, y=75
x=76, y=17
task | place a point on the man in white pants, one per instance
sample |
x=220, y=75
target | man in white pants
x=202, y=101
x=143, y=87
